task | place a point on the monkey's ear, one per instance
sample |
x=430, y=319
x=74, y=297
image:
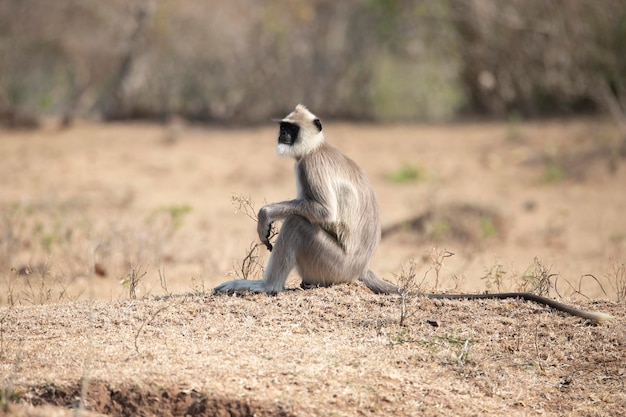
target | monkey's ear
x=317, y=123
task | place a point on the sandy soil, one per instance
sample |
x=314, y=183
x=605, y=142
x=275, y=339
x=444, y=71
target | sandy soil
x=143, y=197
x=87, y=210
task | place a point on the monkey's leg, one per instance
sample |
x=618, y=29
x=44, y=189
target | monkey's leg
x=240, y=285
x=282, y=259
x=318, y=257
x=280, y=264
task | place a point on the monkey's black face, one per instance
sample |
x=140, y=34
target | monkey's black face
x=288, y=133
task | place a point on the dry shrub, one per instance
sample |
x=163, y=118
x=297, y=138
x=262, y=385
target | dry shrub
x=537, y=279
x=617, y=281
x=252, y=264
x=411, y=287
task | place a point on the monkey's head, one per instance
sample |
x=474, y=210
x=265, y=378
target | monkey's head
x=300, y=133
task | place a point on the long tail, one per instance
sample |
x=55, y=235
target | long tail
x=377, y=284
x=380, y=286
x=589, y=315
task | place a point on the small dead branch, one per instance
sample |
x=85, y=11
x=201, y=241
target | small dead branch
x=146, y=322
x=39, y=293
x=409, y=287
x=163, y=281
x=578, y=290
x=537, y=354
x=495, y=277
x=437, y=257
x=462, y=358
x=617, y=281
x=6, y=314
x=252, y=263
x=245, y=205
x=132, y=280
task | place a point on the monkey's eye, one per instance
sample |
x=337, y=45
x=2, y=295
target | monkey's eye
x=317, y=123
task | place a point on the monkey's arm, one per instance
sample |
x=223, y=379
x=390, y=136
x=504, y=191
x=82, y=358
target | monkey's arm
x=317, y=200
x=313, y=211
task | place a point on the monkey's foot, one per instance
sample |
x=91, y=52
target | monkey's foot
x=243, y=285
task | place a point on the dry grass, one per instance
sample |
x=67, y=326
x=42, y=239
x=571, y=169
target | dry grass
x=336, y=351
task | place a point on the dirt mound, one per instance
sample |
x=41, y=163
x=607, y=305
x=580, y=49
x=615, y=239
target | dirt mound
x=325, y=351
x=136, y=400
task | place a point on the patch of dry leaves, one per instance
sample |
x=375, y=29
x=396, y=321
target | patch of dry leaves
x=333, y=351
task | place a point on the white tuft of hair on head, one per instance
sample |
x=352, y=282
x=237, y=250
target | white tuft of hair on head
x=310, y=136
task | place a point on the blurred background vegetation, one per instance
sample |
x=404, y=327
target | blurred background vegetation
x=245, y=61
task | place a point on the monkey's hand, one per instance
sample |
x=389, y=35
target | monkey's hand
x=264, y=228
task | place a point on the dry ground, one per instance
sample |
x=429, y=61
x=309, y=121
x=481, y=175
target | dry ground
x=86, y=210
x=337, y=351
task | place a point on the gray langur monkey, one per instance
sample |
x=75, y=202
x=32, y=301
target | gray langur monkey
x=332, y=228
